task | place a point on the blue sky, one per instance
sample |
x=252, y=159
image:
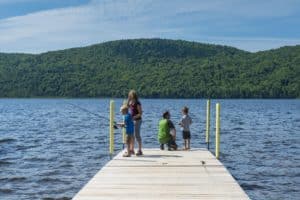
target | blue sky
x=35, y=26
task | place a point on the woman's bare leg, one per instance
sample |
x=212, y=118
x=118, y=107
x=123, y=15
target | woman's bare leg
x=132, y=144
x=140, y=145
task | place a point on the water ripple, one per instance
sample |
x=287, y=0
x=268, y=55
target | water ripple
x=49, y=149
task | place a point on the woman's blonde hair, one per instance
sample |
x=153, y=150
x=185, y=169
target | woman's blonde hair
x=133, y=94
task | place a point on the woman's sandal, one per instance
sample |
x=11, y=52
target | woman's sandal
x=139, y=153
x=132, y=152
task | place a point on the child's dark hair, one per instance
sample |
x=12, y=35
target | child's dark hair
x=166, y=114
x=185, y=110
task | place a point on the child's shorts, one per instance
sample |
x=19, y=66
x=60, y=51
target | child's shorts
x=186, y=135
x=129, y=138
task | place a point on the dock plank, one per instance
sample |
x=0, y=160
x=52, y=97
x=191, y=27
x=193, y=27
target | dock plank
x=164, y=175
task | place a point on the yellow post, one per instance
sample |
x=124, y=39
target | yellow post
x=111, y=127
x=207, y=123
x=124, y=137
x=217, y=130
x=123, y=129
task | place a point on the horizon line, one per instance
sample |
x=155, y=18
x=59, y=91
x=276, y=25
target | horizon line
x=150, y=38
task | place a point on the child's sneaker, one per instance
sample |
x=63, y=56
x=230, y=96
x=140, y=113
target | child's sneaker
x=126, y=154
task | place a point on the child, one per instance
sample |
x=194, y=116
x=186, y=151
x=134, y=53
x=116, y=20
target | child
x=128, y=124
x=185, y=123
x=167, y=132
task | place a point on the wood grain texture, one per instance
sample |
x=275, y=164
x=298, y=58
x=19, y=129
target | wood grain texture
x=164, y=175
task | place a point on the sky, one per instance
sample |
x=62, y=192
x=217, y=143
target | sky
x=35, y=26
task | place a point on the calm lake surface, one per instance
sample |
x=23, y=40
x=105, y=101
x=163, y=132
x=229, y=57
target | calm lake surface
x=49, y=148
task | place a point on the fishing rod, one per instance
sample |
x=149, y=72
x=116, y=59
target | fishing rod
x=95, y=114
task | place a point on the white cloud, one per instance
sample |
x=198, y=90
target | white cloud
x=252, y=44
x=68, y=27
x=106, y=20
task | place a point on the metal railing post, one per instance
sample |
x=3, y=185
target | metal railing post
x=217, y=131
x=207, y=135
x=111, y=127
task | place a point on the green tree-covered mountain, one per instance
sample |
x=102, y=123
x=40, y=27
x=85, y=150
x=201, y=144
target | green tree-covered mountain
x=155, y=68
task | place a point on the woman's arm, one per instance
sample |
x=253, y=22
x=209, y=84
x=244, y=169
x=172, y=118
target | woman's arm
x=140, y=112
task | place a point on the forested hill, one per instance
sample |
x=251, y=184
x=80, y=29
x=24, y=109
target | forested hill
x=155, y=68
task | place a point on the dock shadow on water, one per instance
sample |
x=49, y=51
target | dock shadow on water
x=49, y=149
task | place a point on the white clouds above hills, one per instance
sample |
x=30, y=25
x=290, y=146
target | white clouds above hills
x=249, y=25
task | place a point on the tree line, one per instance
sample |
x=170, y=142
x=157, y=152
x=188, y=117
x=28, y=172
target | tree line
x=156, y=68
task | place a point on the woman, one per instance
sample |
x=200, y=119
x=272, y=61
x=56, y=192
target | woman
x=136, y=113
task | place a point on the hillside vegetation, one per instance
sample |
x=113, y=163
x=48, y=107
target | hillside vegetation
x=155, y=68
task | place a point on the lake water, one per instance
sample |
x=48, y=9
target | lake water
x=49, y=148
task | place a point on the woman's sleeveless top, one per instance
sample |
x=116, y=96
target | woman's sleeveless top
x=134, y=109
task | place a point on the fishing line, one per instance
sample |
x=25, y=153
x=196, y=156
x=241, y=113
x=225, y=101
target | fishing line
x=106, y=142
x=95, y=114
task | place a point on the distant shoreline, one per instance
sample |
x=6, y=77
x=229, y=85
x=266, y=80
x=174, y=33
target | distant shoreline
x=155, y=68
x=95, y=98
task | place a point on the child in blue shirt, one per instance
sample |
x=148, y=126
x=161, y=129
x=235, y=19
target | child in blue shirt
x=129, y=127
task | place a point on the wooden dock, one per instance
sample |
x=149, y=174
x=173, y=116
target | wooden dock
x=163, y=175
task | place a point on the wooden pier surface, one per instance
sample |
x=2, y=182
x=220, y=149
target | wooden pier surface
x=163, y=175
